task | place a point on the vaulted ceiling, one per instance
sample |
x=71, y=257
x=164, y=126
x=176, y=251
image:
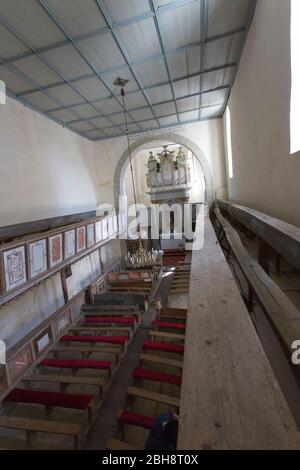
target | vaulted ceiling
x=61, y=57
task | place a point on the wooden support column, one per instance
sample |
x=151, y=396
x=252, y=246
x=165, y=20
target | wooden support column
x=64, y=285
x=264, y=255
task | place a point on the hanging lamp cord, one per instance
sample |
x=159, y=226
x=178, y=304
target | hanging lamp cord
x=131, y=166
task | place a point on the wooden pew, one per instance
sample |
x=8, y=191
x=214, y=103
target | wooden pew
x=34, y=426
x=116, y=444
x=160, y=360
x=64, y=381
x=135, y=392
x=162, y=334
x=86, y=351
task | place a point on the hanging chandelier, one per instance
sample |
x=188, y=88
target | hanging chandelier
x=141, y=258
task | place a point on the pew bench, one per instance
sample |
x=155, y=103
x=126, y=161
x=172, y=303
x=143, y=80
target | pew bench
x=163, y=347
x=96, y=329
x=155, y=376
x=150, y=358
x=116, y=444
x=135, y=392
x=168, y=325
x=77, y=364
x=127, y=417
x=87, y=351
x=64, y=381
x=119, y=340
x=162, y=334
x=52, y=399
x=34, y=426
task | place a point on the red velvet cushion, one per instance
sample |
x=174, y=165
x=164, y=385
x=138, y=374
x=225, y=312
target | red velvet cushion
x=117, y=320
x=136, y=419
x=168, y=347
x=165, y=324
x=76, y=364
x=95, y=339
x=147, y=374
x=65, y=400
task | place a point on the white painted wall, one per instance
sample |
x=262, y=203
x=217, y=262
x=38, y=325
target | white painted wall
x=208, y=135
x=266, y=177
x=45, y=170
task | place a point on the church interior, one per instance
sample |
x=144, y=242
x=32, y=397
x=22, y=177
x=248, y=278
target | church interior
x=149, y=225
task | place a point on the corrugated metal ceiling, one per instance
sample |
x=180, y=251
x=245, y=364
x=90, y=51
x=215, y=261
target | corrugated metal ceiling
x=61, y=57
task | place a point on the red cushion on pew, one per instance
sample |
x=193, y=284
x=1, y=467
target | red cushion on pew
x=76, y=364
x=165, y=324
x=95, y=339
x=148, y=374
x=65, y=400
x=168, y=347
x=136, y=419
x=117, y=320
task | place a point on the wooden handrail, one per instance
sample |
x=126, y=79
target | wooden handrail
x=284, y=238
x=230, y=397
x=281, y=312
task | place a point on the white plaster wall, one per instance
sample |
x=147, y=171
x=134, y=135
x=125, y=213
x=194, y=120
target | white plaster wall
x=266, y=177
x=208, y=135
x=26, y=312
x=45, y=170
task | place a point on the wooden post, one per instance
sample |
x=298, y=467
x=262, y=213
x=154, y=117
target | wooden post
x=278, y=264
x=264, y=255
x=64, y=285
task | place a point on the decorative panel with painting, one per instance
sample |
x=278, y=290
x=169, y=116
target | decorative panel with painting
x=70, y=248
x=90, y=229
x=20, y=362
x=14, y=267
x=37, y=258
x=98, y=229
x=55, y=250
x=81, y=239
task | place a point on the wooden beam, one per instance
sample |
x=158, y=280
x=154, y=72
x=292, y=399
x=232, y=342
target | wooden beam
x=284, y=238
x=282, y=313
x=19, y=230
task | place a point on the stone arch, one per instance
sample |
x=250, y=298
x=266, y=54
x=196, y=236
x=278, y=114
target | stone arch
x=119, y=188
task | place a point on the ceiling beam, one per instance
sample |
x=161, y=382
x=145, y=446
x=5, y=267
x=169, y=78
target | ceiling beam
x=122, y=49
x=61, y=26
x=154, y=8
x=250, y=14
x=149, y=87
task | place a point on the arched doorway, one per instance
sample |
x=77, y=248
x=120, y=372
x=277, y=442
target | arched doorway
x=119, y=189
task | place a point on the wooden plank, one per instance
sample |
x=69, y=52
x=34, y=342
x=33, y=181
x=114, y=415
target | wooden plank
x=90, y=349
x=126, y=329
x=231, y=398
x=282, y=313
x=64, y=379
x=161, y=360
x=115, y=444
x=110, y=308
x=162, y=334
x=284, y=238
x=152, y=396
x=28, y=228
x=40, y=425
x=176, y=311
